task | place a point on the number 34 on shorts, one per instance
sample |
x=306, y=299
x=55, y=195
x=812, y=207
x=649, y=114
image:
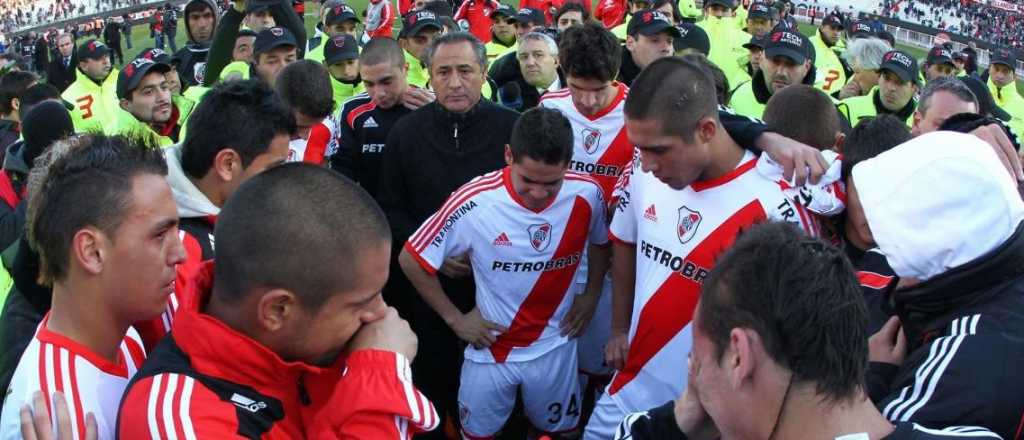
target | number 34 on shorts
x=549, y=386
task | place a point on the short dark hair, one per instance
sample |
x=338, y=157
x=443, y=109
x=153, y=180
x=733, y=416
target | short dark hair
x=676, y=92
x=818, y=122
x=949, y=85
x=570, y=6
x=871, y=137
x=241, y=115
x=305, y=86
x=89, y=186
x=800, y=295
x=590, y=51
x=35, y=94
x=544, y=135
x=12, y=85
x=723, y=93
x=382, y=50
x=296, y=227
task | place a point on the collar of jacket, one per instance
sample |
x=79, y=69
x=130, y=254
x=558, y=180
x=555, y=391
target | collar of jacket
x=218, y=350
x=976, y=281
x=903, y=113
x=464, y=120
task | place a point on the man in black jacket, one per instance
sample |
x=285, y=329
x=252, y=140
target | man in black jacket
x=950, y=354
x=431, y=152
x=112, y=36
x=200, y=24
x=61, y=71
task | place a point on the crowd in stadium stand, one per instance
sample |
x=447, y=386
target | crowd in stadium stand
x=966, y=17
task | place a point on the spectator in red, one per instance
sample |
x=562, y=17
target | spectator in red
x=474, y=15
x=547, y=6
x=380, y=18
x=611, y=13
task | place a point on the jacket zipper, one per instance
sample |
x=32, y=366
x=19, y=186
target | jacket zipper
x=456, y=135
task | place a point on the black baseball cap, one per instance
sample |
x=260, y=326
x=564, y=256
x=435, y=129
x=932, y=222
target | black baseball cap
x=833, y=20
x=340, y=13
x=92, y=49
x=999, y=56
x=755, y=41
x=416, y=21
x=901, y=64
x=788, y=44
x=340, y=48
x=252, y=6
x=940, y=55
x=691, y=36
x=532, y=16
x=273, y=38
x=731, y=4
x=650, y=22
x=130, y=75
x=157, y=55
x=861, y=30
x=986, y=104
x=759, y=10
x=503, y=10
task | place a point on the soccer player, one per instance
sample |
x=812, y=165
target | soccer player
x=94, y=93
x=527, y=304
x=147, y=110
x=305, y=87
x=366, y=119
x=107, y=234
x=688, y=194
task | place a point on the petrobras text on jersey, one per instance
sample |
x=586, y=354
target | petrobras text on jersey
x=537, y=266
x=677, y=263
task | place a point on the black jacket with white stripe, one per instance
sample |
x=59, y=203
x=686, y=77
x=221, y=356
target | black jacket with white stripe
x=965, y=345
x=660, y=424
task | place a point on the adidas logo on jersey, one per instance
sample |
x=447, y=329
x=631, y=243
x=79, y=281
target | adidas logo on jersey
x=502, y=240
x=247, y=403
x=651, y=214
x=370, y=123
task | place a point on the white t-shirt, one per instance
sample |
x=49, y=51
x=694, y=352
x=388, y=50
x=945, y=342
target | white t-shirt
x=678, y=236
x=523, y=260
x=90, y=384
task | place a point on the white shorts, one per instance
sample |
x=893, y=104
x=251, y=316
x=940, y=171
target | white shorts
x=592, y=341
x=550, y=389
x=605, y=420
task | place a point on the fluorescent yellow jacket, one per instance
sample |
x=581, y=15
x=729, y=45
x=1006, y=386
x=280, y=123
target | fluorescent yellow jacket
x=317, y=53
x=343, y=91
x=860, y=107
x=95, y=105
x=745, y=103
x=741, y=16
x=495, y=49
x=620, y=30
x=1009, y=99
x=831, y=76
x=418, y=75
x=235, y=70
x=726, y=47
x=126, y=124
x=689, y=9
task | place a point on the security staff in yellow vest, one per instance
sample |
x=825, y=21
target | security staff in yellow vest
x=146, y=109
x=503, y=32
x=340, y=20
x=342, y=61
x=788, y=60
x=94, y=92
x=1002, y=82
x=755, y=48
x=727, y=39
x=419, y=29
x=897, y=85
x=831, y=70
x=938, y=64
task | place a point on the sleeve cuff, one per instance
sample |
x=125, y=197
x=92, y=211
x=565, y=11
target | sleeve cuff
x=419, y=259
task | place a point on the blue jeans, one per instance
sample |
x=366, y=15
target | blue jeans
x=159, y=43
